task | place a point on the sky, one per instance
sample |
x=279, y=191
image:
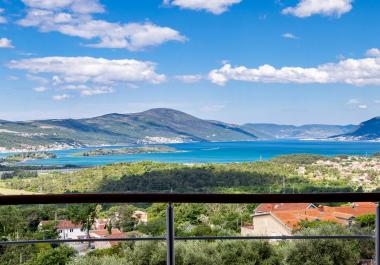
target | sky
x=239, y=61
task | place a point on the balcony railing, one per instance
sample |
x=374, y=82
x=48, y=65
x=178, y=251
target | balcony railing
x=171, y=198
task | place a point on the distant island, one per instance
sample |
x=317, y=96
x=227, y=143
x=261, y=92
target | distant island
x=21, y=157
x=127, y=150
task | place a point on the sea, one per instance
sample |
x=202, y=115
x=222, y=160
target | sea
x=217, y=152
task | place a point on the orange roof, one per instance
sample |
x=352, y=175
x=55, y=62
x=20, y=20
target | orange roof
x=355, y=209
x=292, y=218
x=63, y=224
x=272, y=207
x=105, y=233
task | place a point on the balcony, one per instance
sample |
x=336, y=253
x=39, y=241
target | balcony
x=198, y=198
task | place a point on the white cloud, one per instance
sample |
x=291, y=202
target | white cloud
x=377, y=101
x=89, y=69
x=96, y=91
x=61, y=97
x=79, y=6
x=89, y=91
x=289, y=35
x=74, y=18
x=353, y=101
x=6, y=43
x=3, y=20
x=356, y=103
x=216, y=7
x=357, y=72
x=306, y=8
x=189, y=78
x=39, y=79
x=40, y=89
x=374, y=52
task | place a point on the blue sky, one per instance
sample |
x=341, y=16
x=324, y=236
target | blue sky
x=283, y=61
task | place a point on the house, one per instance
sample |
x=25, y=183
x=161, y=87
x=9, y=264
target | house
x=140, y=216
x=66, y=229
x=283, y=219
x=274, y=207
x=106, y=234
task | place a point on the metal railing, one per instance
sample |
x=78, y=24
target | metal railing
x=171, y=198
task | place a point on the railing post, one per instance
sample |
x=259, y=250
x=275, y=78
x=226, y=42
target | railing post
x=377, y=236
x=170, y=234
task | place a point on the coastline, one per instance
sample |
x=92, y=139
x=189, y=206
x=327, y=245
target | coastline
x=62, y=147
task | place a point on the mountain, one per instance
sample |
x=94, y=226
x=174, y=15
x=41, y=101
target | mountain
x=161, y=125
x=314, y=131
x=152, y=126
x=368, y=130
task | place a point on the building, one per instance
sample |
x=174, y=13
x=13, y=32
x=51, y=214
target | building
x=66, y=229
x=113, y=233
x=283, y=219
x=140, y=216
x=274, y=207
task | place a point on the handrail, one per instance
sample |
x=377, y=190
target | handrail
x=129, y=197
x=170, y=198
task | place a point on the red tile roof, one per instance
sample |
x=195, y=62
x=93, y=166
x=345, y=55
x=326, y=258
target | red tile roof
x=63, y=224
x=291, y=214
x=292, y=218
x=105, y=233
x=271, y=207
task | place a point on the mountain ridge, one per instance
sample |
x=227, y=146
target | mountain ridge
x=153, y=126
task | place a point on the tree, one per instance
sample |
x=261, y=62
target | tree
x=55, y=256
x=85, y=215
x=323, y=251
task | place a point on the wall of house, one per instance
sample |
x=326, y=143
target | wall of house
x=267, y=225
x=74, y=233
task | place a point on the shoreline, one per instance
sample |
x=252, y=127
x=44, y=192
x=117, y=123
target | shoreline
x=4, y=150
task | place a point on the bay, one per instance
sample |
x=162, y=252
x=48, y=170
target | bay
x=218, y=152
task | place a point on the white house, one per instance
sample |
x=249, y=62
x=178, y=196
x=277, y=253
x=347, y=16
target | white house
x=67, y=229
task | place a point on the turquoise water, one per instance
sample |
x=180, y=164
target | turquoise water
x=220, y=152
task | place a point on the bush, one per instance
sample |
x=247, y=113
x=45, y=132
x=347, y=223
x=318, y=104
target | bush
x=55, y=256
x=323, y=251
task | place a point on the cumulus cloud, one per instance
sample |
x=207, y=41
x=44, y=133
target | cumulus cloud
x=374, y=52
x=6, y=43
x=74, y=18
x=189, y=78
x=289, y=35
x=90, y=69
x=362, y=106
x=216, y=7
x=307, y=8
x=61, y=97
x=359, y=72
x=40, y=89
x=88, y=75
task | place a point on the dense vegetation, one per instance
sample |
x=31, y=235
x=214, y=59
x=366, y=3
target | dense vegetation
x=190, y=220
x=278, y=175
x=263, y=176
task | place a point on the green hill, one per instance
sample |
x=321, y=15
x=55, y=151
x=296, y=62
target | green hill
x=151, y=126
